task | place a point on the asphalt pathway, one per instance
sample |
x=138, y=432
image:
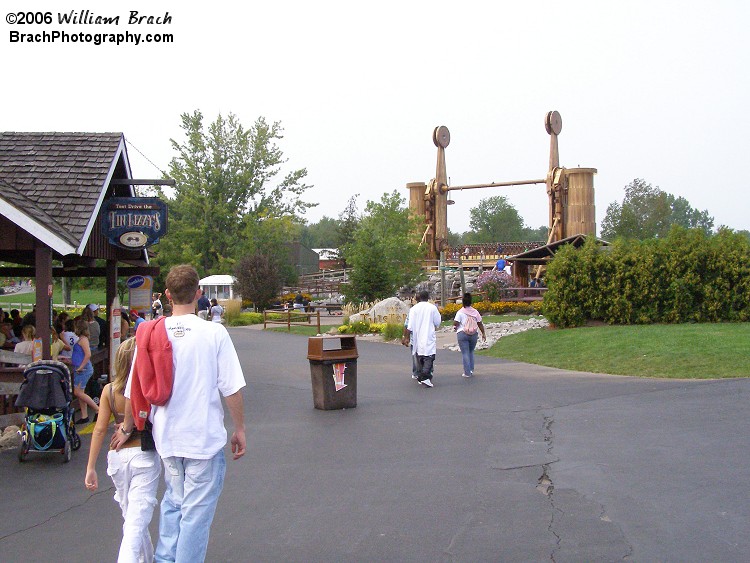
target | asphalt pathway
x=519, y=463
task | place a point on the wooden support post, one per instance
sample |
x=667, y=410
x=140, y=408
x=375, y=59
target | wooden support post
x=461, y=270
x=442, y=278
x=43, y=278
x=111, y=295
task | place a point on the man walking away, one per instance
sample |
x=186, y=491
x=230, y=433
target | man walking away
x=203, y=306
x=188, y=428
x=424, y=319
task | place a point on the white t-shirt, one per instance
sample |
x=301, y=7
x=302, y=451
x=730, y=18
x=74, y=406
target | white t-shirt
x=424, y=318
x=216, y=312
x=191, y=424
x=70, y=339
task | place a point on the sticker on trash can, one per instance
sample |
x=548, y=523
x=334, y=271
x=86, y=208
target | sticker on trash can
x=338, y=376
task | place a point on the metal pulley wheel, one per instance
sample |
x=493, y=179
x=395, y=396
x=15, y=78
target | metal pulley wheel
x=441, y=136
x=553, y=123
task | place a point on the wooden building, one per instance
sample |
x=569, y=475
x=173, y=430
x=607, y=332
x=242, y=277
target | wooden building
x=53, y=188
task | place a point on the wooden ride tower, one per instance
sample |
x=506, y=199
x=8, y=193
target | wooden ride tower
x=570, y=192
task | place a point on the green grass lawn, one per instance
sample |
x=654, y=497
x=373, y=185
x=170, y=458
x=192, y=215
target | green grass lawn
x=82, y=297
x=694, y=351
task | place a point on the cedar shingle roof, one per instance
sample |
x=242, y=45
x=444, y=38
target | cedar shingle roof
x=57, y=178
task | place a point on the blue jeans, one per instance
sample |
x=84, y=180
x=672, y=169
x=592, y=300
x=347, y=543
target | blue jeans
x=81, y=378
x=188, y=507
x=467, y=343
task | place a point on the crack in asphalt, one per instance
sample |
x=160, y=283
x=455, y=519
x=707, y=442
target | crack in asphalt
x=57, y=514
x=546, y=486
x=616, y=396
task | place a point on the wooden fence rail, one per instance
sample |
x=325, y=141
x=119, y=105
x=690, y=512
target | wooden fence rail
x=290, y=317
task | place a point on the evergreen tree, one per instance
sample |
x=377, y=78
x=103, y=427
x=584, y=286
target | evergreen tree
x=384, y=252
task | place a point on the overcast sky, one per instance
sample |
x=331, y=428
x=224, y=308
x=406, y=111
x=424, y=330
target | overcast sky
x=649, y=89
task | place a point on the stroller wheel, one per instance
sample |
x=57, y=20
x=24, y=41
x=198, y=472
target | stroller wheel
x=76, y=439
x=67, y=452
x=24, y=449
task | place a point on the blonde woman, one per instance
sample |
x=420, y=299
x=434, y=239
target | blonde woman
x=26, y=346
x=82, y=369
x=134, y=472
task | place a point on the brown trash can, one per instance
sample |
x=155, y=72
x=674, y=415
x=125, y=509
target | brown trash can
x=333, y=370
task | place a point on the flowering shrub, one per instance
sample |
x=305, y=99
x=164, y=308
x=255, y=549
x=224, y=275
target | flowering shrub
x=450, y=310
x=492, y=282
x=495, y=308
x=360, y=327
x=289, y=297
x=390, y=331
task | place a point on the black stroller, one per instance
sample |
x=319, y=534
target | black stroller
x=48, y=426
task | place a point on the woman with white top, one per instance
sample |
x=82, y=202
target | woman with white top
x=467, y=323
x=216, y=311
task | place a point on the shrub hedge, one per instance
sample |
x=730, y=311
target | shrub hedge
x=686, y=277
x=494, y=308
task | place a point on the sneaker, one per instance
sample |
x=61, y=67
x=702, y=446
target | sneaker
x=414, y=376
x=427, y=383
x=464, y=375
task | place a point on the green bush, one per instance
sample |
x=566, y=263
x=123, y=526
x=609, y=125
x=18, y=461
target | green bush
x=244, y=319
x=360, y=327
x=686, y=277
x=392, y=331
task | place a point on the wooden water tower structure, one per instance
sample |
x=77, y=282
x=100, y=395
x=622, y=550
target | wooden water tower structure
x=570, y=192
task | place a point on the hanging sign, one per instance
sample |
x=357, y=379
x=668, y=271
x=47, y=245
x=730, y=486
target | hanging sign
x=134, y=222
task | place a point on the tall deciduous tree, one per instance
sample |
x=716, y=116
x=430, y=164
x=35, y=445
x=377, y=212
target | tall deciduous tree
x=323, y=234
x=494, y=220
x=226, y=176
x=270, y=236
x=648, y=212
x=258, y=279
x=384, y=252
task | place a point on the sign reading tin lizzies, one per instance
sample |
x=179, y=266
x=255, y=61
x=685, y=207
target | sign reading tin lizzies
x=134, y=222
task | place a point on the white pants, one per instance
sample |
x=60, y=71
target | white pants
x=135, y=474
x=203, y=314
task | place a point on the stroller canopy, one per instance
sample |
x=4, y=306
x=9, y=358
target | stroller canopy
x=46, y=385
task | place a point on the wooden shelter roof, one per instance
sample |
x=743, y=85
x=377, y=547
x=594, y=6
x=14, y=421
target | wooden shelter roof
x=52, y=186
x=543, y=254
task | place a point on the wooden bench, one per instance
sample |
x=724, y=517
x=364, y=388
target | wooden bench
x=10, y=385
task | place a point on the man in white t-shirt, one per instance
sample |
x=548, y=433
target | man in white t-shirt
x=189, y=429
x=424, y=319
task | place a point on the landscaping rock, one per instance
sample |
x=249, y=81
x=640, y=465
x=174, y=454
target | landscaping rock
x=391, y=310
x=10, y=438
x=495, y=331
